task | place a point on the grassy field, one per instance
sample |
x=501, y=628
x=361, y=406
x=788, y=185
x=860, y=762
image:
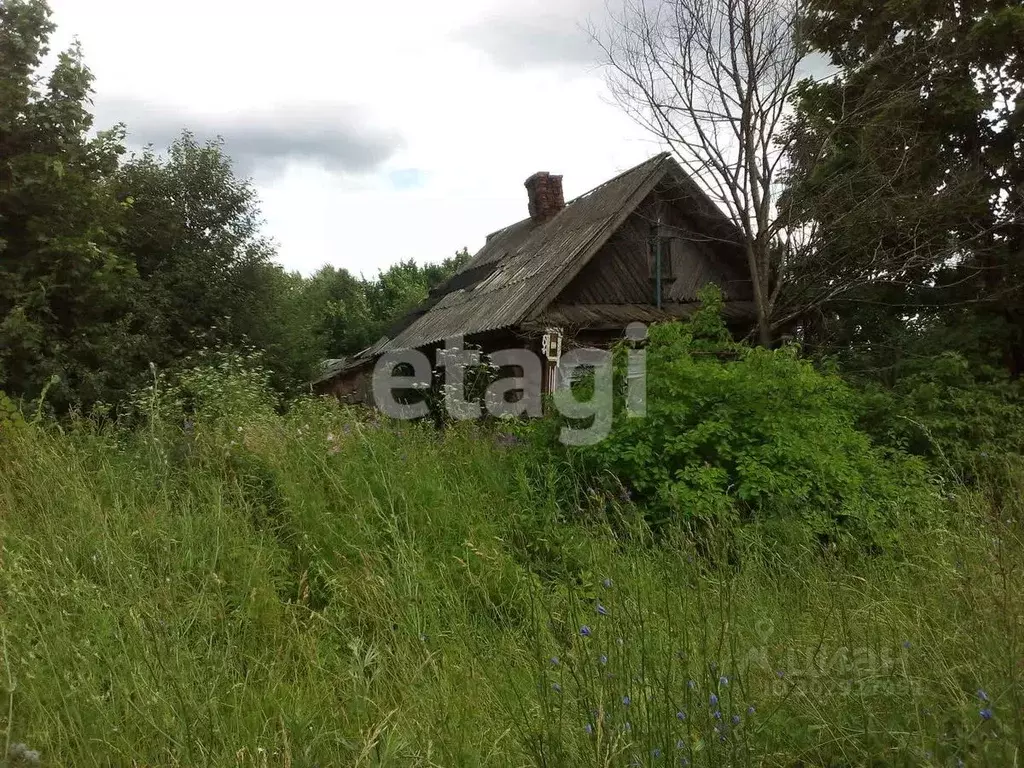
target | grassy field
x=309, y=590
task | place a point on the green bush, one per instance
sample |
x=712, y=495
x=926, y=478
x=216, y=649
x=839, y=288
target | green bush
x=967, y=421
x=734, y=433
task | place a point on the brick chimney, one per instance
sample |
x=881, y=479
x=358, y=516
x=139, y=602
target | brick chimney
x=545, y=193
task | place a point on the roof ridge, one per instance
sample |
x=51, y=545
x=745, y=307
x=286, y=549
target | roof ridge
x=499, y=231
x=660, y=157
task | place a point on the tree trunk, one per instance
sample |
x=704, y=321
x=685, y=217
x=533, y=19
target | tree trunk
x=764, y=327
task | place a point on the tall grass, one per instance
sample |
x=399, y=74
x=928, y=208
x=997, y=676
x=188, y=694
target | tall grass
x=313, y=589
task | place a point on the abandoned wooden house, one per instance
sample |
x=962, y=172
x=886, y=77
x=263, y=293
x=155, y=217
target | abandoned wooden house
x=638, y=248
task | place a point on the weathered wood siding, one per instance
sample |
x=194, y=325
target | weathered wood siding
x=622, y=272
x=350, y=387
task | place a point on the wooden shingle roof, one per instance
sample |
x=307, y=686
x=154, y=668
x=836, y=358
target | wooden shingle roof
x=523, y=267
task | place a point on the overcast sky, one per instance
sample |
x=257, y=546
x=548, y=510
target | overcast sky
x=374, y=132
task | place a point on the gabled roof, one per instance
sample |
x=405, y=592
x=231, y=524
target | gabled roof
x=523, y=267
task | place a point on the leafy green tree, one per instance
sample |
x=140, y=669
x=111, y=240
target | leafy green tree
x=193, y=230
x=350, y=314
x=107, y=266
x=397, y=290
x=405, y=285
x=287, y=332
x=434, y=274
x=921, y=131
x=64, y=311
x=340, y=314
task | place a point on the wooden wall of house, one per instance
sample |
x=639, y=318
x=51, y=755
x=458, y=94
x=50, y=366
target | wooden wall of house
x=623, y=271
x=515, y=339
x=351, y=387
x=356, y=386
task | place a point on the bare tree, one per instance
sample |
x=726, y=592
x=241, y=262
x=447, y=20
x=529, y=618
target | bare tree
x=712, y=80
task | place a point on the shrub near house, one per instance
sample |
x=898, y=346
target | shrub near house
x=739, y=433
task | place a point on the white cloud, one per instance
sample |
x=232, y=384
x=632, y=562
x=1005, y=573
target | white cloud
x=395, y=136
x=263, y=142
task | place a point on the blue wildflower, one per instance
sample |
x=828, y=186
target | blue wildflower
x=627, y=726
x=906, y=644
x=680, y=744
x=655, y=753
x=986, y=714
x=751, y=710
x=626, y=701
x=556, y=687
x=723, y=680
x=589, y=729
x=982, y=695
x=607, y=583
x=601, y=610
x=554, y=661
x=603, y=659
x=585, y=631
x=691, y=684
x=735, y=719
x=780, y=674
x=680, y=715
x=713, y=699
x=717, y=715
x=683, y=761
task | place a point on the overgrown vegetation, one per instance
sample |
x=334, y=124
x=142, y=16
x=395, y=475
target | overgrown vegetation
x=737, y=434
x=224, y=585
x=807, y=553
